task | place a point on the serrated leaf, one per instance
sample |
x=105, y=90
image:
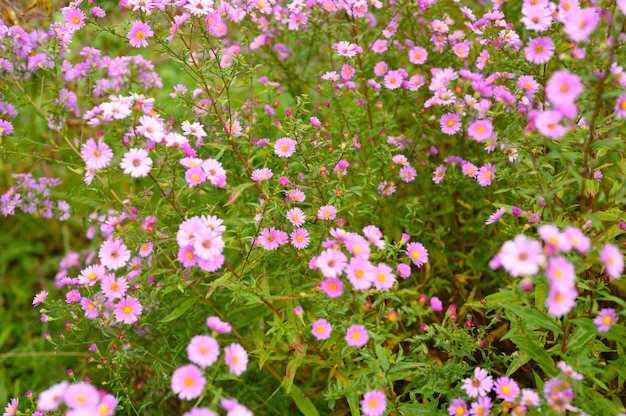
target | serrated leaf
x=418, y=409
x=304, y=404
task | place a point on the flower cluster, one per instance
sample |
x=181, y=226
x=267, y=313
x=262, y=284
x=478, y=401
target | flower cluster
x=200, y=242
x=79, y=398
x=33, y=195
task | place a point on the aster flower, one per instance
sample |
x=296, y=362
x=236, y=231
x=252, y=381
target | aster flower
x=605, y=319
x=613, y=260
x=89, y=307
x=506, y=389
x=495, y=216
x=96, y=155
x=480, y=385
x=417, y=253
x=217, y=325
x=332, y=287
x=547, y=122
x=113, y=254
x=581, y=23
x=561, y=272
x=269, y=239
x=52, y=398
x=374, y=403
x=457, y=407
x=521, y=256
x=81, y=396
x=11, y=407
x=539, y=50
x=331, y=262
x=321, y=329
x=300, y=238
x=561, y=300
x=188, y=382
x=417, y=55
x=356, y=336
x=112, y=287
x=346, y=49
x=40, y=298
x=200, y=411
x=384, y=278
x=138, y=34
x=128, y=310
x=569, y=371
x=439, y=174
x=137, y=163
x=485, y=175
x=261, y=175
x=360, y=273
x=203, y=350
x=620, y=106
x=236, y=358
x=563, y=87
x=450, y=123
x=327, y=212
x=296, y=217
x=553, y=237
x=285, y=147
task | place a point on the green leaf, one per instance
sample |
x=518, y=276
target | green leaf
x=292, y=368
x=304, y=404
x=418, y=409
x=179, y=311
x=521, y=359
x=612, y=214
x=537, y=352
x=533, y=318
x=236, y=193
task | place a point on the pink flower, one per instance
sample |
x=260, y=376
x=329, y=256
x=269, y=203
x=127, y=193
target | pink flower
x=480, y=130
x=485, y=175
x=113, y=288
x=393, y=80
x=620, y=106
x=480, y=385
x=188, y=382
x=495, y=216
x=128, y=310
x=417, y=55
x=300, y=238
x=321, y=329
x=384, y=278
x=561, y=273
x=360, y=273
x=563, y=88
x=506, y=389
x=327, y=212
x=261, y=175
x=605, y=319
x=331, y=262
x=561, y=300
x=113, y=254
x=521, y=256
x=404, y=270
x=89, y=307
x=217, y=325
x=236, y=358
x=203, y=350
x=332, y=287
x=52, y=398
x=578, y=239
x=346, y=49
x=96, y=155
x=547, y=122
x=439, y=174
x=539, y=50
x=613, y=260
x=450, y=123
x=269, y=239
x=417, y=253
x=137, y=163
x=374, y=403
x=40, y=298
x=457, y=407
x=356, y=336
x=581, y=23
x=296, y=217
x=139, y=32
x=285, y=147
x=81, y=396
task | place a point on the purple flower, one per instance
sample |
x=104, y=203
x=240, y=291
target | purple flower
x=605, y=319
